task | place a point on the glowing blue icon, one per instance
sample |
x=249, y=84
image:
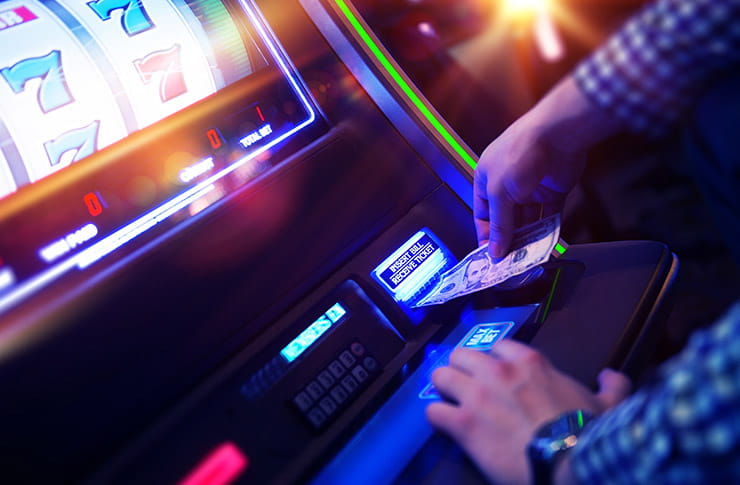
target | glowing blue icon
x=483, y=336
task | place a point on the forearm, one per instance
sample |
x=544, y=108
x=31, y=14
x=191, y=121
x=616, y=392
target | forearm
x=571, y=122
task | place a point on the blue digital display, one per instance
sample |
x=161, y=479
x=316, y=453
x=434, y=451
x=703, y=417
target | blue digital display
x=413, y=266
x=407, y=261
x=313, y=332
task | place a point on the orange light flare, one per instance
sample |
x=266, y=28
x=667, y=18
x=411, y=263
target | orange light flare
x=548, y=22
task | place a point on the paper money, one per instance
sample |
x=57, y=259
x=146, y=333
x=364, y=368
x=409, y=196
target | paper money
x=531, y=245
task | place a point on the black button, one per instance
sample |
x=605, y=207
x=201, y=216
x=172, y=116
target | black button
x=349, y=383
x=336, y=368
x=347, y=358
x=315, y=390
x=302, y=401
x=317, y=417
x=357, y=348
x=339, y=394
x=328, y=405
x=360, y=374
x=370, y=363
x=326, y=379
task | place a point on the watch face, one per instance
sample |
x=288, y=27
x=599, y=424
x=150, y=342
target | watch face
x=559, y=435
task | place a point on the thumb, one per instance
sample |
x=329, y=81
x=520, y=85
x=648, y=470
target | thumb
x=613, y=387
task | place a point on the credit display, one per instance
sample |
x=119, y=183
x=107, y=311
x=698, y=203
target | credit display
x=313, y=332
x=193, y=99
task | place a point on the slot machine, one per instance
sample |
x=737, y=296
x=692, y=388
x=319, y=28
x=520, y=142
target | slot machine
x=216, y=217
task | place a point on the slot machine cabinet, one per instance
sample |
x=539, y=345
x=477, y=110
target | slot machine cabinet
x=201, y=200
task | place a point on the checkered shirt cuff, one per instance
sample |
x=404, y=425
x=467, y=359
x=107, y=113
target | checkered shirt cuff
x=653, y=68
x=684, y=428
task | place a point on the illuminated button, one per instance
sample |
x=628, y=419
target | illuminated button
x=349, y=383
x=302, y=401
x=317, y=417
x=360, y=374
x=339, y=394
x=357, y=348
x=347, y=358
x=370, y=363
x=315, y=390
x=336, y=369
x=274, y=370
x=326, y=379
x=328, y=405
x=222, y=466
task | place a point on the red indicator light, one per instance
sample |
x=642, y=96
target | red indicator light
x=221, y=467
x=259, y=112
x=93, y=204
x=214, y=138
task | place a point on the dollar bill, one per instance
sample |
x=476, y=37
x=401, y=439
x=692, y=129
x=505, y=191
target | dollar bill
x=531, y=245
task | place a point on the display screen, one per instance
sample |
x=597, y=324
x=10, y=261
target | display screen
x=413, y=267
x=313, y=332
x=206, y=78
x=84, y=75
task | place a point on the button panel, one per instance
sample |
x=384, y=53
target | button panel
x=333, y=387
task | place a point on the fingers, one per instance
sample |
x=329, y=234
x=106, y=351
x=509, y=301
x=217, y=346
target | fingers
x=498, y=362
x=613, y=387
x=512, y=350
x=480, y=213
x=529, y=213
x=445, y=417
x=493, y=211
x=501, y=222
x=452, y=382
x=474, y=363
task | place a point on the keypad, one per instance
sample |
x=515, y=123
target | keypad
x=314, y=390
x=326, y=379
x=333, y=387
x=347, y=359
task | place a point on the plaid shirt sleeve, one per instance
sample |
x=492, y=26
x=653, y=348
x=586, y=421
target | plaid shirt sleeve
x=648, y=73
x=685, y=428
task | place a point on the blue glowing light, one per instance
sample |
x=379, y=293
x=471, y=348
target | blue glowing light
x=313, y=332
x=414, y=265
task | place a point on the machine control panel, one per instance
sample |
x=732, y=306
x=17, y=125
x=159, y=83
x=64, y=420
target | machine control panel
x=335, y=385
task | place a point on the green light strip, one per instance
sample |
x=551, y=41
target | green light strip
x=580, y=419
x=550, y=297
x=401, y=82
x=560, y=248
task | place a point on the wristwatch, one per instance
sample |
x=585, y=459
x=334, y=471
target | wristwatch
x=552, y=441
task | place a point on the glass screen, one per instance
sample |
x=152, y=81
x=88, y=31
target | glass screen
x=83, y=75
x=206, y=78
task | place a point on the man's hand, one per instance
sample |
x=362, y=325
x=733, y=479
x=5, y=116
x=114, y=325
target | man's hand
x=502, y=398
x=527, y=172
